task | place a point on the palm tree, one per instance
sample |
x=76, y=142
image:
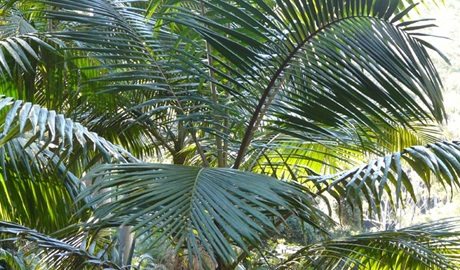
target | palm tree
x=253, y=111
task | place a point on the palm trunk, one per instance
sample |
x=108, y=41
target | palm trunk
x=126, y=246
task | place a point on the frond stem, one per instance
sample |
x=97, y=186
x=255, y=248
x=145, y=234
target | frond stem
x=264, y=102
x=220, y=156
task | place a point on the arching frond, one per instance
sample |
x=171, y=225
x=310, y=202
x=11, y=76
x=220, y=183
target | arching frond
x=48, y=252
x=327, y=69
x=142, y=66
x=42, y=157
x=320, y=66
x=47, y=130
x=196, y=208
x=386, y=176
x=38, y=69
x=278, y=87
x=288, y=156
x=427, y=246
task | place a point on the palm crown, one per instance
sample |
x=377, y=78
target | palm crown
x=267, y=109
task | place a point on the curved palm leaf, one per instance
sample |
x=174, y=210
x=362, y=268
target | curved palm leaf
x=322, y=66
x=165, y=100
x=42, y=157
x=288, y=157
x=385, y=176
x=48, y=252
x=198, y=208
x=432, y=245
x=50, y=130
x=322, y=72
x=42, y=72
x=13, y=40
x=20, y=40
x=327, y=69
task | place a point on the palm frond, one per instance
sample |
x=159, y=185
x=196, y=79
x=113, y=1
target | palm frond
x=42, y=157
x=48, y=252
x=320, y=82
x=325, y=65
x=47, y=130
x=19, y=44
x=196, y=208
x=432, y=245
x=65, y=80
x=140, y=64
x=350, y=61
x=285, y=156
x=386, y=176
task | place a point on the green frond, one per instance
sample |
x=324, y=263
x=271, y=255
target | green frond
x=19, y=42
x=425, y=247
x=42, y=157
x=196, y=208
x=295, y=90
x=142, y=67
x=387, y=176
x=322, y=69
x=47, y=130
x=47, y=252
x=287, y=157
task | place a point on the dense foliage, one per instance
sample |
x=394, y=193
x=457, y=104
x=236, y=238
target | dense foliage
x=201, y=128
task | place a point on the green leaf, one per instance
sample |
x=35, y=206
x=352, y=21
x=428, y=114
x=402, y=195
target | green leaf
x=216, y=207
x=431, y=245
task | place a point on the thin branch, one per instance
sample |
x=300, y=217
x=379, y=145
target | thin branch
x=220, y=157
